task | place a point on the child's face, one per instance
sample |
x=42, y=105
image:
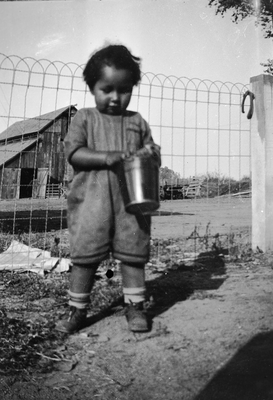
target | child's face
x=113, y=90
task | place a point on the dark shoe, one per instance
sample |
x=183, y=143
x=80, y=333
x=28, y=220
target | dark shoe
x=136, y=318
x=75, y=322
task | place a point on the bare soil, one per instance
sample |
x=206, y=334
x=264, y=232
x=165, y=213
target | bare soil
x=212, y=320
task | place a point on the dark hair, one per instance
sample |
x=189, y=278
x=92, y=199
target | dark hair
x=113, y=55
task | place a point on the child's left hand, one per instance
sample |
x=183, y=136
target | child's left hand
x=148, y=149
x=151, y=149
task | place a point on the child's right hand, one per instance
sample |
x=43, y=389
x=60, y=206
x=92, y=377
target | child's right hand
x=113, y=157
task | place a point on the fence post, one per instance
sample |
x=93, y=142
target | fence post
x=262, y=162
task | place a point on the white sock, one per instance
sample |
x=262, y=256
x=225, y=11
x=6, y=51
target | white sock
x=134, y=295
x=79, y=300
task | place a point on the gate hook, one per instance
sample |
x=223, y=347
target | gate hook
x=251, y=108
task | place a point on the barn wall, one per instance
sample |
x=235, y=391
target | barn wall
x=27, y=159
x=10, y=183
x=51, y=150
x=47, y=154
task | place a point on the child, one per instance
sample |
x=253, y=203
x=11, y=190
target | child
x=97, y=142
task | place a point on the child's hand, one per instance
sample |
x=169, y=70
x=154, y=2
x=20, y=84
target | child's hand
x=146, y=150
x=150, y=150
x=114, y=157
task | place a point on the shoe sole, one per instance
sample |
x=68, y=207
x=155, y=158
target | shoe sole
x=63, y=330
x=139, y=329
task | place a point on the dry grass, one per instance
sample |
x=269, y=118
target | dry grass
x=214, y=185
x=29, y=311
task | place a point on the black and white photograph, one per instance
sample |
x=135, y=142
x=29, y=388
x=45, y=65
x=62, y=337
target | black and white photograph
x=136, y=200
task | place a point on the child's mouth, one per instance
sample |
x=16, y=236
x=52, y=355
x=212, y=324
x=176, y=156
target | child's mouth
x=114, y=110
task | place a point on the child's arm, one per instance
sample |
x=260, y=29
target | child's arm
x=86, y=159
x=141, y=141
x=79, y=155
x=149, y=147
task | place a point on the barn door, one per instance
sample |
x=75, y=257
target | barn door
x=42, y=177
x=26, y=182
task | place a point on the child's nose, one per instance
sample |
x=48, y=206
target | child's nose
x=115, y=96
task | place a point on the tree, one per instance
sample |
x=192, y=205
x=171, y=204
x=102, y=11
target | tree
x=269, y=67
x=166, y=174
x=241, y=9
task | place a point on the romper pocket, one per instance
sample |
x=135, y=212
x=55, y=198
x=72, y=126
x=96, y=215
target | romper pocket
x=77, y=188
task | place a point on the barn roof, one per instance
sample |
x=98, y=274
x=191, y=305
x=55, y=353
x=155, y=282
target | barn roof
x=32, y=125
x=10, y=150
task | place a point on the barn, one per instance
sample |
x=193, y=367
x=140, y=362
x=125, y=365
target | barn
x=32, y=160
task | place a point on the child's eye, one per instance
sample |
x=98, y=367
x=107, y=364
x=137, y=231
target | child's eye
x=125, y=90
x=107, y=90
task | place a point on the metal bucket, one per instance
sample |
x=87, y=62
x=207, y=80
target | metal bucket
x=142, y=179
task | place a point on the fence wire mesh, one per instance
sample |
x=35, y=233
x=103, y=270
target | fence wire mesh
x=205, y=179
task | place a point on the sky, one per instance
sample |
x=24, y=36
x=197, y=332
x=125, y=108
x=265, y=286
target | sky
x=173, y=37
x=182, y=38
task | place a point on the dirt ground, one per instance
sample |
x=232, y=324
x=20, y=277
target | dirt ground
x=212, y=330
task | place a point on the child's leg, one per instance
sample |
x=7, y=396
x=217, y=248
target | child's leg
x=81, y=282
x=133, y=278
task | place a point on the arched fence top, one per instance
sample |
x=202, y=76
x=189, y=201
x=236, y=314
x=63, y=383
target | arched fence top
x=193, y=83
x=30, y=64
x=72, y=69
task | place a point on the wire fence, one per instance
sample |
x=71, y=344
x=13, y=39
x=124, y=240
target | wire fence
x=204, y=138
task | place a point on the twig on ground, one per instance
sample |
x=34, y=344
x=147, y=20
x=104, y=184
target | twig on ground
x=50, y=358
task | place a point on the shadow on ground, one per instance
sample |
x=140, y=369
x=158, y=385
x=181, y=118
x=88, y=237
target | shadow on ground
x=176, y=285
x=161, y=213
x=248, y=376
x=179, y=284
x=34, y=221
x=43, y=220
